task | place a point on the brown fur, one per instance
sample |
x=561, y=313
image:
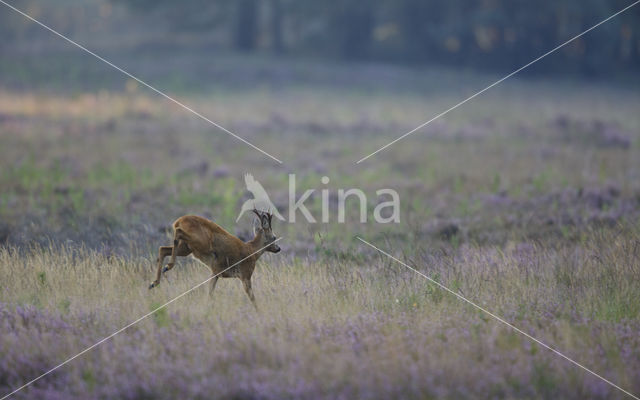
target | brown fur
x=218, y=249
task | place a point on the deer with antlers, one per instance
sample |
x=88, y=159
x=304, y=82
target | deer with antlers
x=218, y=249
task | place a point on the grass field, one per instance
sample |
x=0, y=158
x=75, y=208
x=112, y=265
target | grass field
x=525, y=201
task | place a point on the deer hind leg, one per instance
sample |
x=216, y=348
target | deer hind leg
x=179, y=249
x=247, y=288
x=163, y=251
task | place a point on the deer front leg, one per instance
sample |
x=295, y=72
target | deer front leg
x=247, y=288
x=216, y=270
x=213, y=285
x=163, y=251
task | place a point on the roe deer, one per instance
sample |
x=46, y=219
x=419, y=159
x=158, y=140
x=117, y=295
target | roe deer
x=218, y=249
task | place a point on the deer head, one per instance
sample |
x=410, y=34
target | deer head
x=262, y=226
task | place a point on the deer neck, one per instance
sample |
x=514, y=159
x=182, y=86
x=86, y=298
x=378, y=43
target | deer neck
x=256, y=245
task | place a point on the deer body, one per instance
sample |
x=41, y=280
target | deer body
x=218, y=249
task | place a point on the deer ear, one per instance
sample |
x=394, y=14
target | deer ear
x=257, y=225
x=256, y=212
x=265, y=222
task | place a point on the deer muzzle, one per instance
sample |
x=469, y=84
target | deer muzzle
x=273, y=248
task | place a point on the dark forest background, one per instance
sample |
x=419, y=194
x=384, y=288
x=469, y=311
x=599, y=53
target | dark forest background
x=494, y=34
x=486, y=34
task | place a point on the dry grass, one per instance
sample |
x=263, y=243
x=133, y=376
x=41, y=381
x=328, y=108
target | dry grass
x=328, y=329
x=526, y=202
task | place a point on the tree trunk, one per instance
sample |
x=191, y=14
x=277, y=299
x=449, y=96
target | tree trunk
x=246, y=25
x=277, y=39
x=356, y=25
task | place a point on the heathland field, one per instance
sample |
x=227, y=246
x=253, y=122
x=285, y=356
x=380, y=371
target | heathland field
x=526, y=201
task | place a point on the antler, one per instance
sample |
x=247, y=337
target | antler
x=262, y=214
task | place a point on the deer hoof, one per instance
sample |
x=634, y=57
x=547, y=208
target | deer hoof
x=153, y=284
x=165, y=269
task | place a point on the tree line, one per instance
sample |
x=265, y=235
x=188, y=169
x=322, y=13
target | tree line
x=492, y=34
